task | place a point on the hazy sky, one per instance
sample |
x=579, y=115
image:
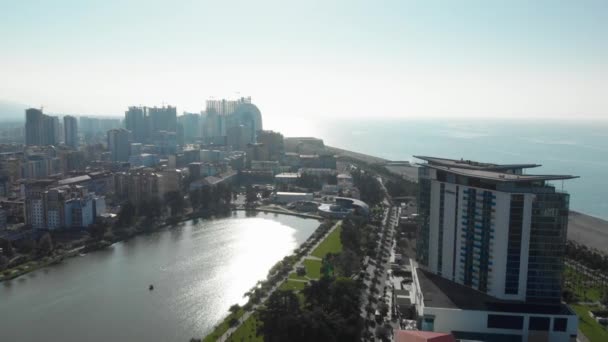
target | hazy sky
x=310, y=58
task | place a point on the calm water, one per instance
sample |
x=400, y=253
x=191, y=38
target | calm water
x=565, y=147
x=198, y=271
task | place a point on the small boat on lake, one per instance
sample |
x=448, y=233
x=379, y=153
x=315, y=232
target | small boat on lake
x=151, y=287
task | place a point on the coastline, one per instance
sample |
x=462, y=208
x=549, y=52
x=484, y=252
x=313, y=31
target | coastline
x=585, y=229
x=588, y=230
x=356, y=155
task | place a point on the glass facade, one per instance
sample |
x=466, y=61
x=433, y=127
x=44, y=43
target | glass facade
x=440, y=234
x=484, y=235
x=424, y=214
x=547, y=247
x=516, y=217
x=468, y=234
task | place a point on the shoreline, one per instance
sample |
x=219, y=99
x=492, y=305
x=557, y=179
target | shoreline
x=165, y=225
x=585, y=229
x=588, y=230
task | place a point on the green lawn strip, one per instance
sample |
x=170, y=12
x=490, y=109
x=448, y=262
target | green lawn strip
x=313, y=268
x=590, y=327
x=292, y=285
x=331, y=244
x=582, y=291
x=222, y=327
x=247, y=331
x=295, y=276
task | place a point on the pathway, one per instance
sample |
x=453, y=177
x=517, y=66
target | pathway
x=248, y=314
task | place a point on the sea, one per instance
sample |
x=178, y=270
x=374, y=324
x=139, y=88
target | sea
x=569, y=147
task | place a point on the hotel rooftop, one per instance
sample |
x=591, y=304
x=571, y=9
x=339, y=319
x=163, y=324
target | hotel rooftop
x=489, y=171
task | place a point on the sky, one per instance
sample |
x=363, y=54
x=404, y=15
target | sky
x=310, y=60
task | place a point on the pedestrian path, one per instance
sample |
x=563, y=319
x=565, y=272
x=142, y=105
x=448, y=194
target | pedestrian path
x=248, y=314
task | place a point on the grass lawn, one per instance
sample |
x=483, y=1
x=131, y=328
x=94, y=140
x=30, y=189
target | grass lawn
x=222, y=327
x=584, y=292
x=292, y=285
x=247, y=331
x=293, y=275
x=331, y=244
x=592, y=329
x=313, y=268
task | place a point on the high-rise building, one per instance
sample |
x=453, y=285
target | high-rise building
x=135, y=121
x=40, y=129
x=70, y=126
x=490, y=253
x=222, y=115
x=493, y=228
x=238, y=137
x=118, y=144
x=226, y=107
x=162, y=119
x=190, y=123
x=275, y=143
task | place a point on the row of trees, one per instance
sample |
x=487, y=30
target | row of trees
x=358, y=240
x=211, y=198
x=401, y=187
x=589, y=257
x=330, y=310
x=369, y=187
x=330, y=313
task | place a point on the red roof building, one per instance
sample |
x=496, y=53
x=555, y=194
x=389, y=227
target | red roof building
x=422, y=336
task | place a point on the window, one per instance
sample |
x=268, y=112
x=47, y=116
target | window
x=505, y=322
x=539, y=323
x=560, y=324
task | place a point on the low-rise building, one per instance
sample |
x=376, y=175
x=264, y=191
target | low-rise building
x=287, y=178
x=344, y=207
x=444, y=305
x=144, y=160
x=289, y=197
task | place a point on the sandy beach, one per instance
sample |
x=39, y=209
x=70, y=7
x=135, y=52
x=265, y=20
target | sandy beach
x=588, y=230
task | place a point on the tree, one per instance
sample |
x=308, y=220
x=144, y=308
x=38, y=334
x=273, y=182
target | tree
x=151, y=207
x=280, y=317
x=176, y=202
x=97, y=231
x=7, y=248
x=195, y=199
x=250, y=195
x=3, y=262
x=27, y=245
x=234, y=309
x=45, y=245
x=126, y=214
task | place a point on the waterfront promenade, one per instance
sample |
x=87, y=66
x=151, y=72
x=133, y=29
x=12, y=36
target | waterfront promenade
x=248, y=314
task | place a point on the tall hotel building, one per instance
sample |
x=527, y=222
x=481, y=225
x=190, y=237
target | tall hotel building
x=498, y=235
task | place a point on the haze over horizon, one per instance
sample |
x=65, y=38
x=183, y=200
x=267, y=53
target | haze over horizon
x=310, y=60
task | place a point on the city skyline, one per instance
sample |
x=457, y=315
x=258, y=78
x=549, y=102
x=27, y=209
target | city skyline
x=313, y=60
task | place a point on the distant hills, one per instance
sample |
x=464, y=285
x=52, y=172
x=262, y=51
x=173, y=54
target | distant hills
x=12, y=111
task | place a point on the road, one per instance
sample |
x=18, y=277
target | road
x=376, y=277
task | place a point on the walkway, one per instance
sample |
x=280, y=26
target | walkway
x=248, y=314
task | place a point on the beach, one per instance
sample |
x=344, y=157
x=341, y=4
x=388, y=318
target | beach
x=588, y=230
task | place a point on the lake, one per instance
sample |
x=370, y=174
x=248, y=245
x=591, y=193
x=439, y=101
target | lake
x=198, y=268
